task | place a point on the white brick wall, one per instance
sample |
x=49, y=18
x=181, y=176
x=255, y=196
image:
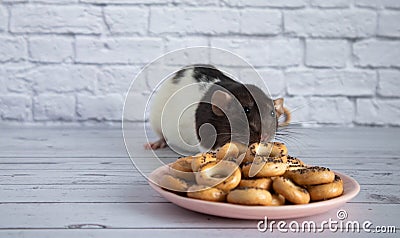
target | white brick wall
x=72, y=61
x=53, y=49
x=326, y=53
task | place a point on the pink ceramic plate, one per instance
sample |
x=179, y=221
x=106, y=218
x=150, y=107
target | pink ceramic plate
x=351, y=189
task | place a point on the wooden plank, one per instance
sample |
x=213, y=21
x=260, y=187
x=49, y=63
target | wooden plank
x=160, y=215
x=98, y=163
x=192, y=233
x=64, y=177
x=100, y=142
x=71, y=177
x=387, y=194
x=79, y=193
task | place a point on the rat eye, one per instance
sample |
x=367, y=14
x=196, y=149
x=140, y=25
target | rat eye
x=272, y=113
x=246, y=110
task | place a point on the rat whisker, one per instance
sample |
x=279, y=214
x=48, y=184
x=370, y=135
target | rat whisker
x=292, y=142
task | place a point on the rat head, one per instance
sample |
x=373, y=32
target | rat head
x=244, y=113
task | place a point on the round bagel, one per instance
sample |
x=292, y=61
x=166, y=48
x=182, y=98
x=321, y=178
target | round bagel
x=170, y=182
x=277, y=200
x=278, y=149
x=250, y=196
x=312, y=175
x=326, y=191
x=290, y=191
x=206, y=193
x=263, y=167
x=224, y=175
x=229, y=150
x=294, y=162
x=200, y=159
x=182, y=168
x=254, y=149
x=262, y=183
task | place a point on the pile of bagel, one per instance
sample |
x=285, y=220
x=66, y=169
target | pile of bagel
x=261, y=174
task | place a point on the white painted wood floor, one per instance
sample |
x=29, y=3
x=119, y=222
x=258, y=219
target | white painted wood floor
x=80, y=182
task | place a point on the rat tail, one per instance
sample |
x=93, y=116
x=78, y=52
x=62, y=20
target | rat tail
x=288, y=117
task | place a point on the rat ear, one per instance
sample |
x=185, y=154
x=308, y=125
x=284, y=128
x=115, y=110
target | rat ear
x=220, y=101
x=278, y=104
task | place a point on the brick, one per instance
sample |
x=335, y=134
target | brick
x=125, y=2
x=12, y=49
x=378, y=4
x=15, y=107
x=3, y=88
x=107, y=107
x=126, y=19
x=389, y=24
x=378, y=111
x=14, y=1
x=13, y=78
x=197, y=3
x=331, y=82
x=260, y=22
x=54, y=107
x=338, y=110
x=117, y=79
x=330, y=23
x=155, y=73
x=194, y=20
x=117, y=50
x=186, y=56
x=56, y=19
x=326, y=53
x=3, y=19
x=330, y=3
x=62, y=79
x=135, y=107
x=377, y=53
x=267, y=3
x=54, y=1
x=389, y=83
x=273, y=80
x=265, y=52
x=51, y=49
x=299, y=109
x=175, y=43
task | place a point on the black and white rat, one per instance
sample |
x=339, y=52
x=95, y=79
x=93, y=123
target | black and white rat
x=201, y=108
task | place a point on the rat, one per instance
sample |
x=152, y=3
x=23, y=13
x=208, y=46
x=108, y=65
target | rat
x=200, y=108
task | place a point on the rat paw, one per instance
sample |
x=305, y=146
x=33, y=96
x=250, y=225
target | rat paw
x=159, y=144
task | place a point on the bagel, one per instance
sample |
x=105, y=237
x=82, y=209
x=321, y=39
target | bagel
x=250, y=196
x=294, y=162
x=263, y=167
x=271, y=149
x=257, y=149
x=224, y=175
x=182, y=168
x=277, y=200
x=206, y=193
x=311, y=175
x=262, y=183
x=201, y=159
x=278, y=149
x=290, y=191
x=237, y=160
x=326, y=191
x=230, y=149
x=170, y=182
